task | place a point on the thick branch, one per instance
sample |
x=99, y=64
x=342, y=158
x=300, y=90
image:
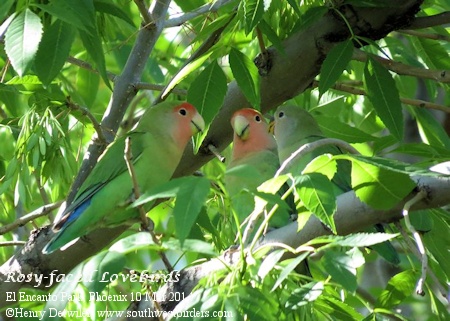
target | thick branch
x=430, y=21
x=351, y=216
x=289, y=73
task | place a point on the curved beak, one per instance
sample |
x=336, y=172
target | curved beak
x=197, y=124
x=240, y=126
x=271, y=127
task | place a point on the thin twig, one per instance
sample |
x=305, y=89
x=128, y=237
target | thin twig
x=144, y=85
x=144, y=12
x=12, y=243
x=41, y=189
x=206, y=8
x=216, y=153
x=3, y=113
x=408, y=101
x=307, y=148
x=4, y=70
x=415, y=252
x=44, y=210
x=85, y=65
x=98, y=128
x=131, y=120
x=146, y=223
x=403, y=69
x=432, y=36
x=423, y=254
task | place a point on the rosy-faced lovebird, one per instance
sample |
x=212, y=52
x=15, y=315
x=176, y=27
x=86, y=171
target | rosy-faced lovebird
x=255, y=151
x=103, y=200
x=295, y=127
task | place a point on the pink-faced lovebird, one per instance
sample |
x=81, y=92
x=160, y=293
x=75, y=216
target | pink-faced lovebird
x=295, y=127
x=255, y=151
x=103, y=200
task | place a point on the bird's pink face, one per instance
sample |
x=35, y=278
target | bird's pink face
x=189, y=122
x=251, y=132
x=247, y=121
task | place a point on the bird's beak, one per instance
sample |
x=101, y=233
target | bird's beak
x=271, y=127
x=197, y=124
x=240, y=126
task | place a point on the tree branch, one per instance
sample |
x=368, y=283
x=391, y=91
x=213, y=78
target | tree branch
x=208, y=7
x=430, y=21
x=294, y=70
x=291, y=73
x=402, y=69
x=408, y=101
x=42, y=211
x=351, y=216
x=432, y=36
x=124, y=90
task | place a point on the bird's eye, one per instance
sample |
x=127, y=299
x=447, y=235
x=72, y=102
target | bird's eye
x=258, y=118
x=183, y=112
x=281, y=114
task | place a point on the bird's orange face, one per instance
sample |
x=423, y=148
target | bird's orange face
x=250, y=132
x=189, y=121
x=247, y=120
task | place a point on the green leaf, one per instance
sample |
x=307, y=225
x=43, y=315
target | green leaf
x=430, y=129
x=111, y=9
x=269, y=262
x=101, y=268
x=316, y=192
x=292, y=264
x=399, y=287
x=63, y=290
x=22, y=40
x=267, y=30
x=87, y=85
x=333, y=128
x=342, y=267
x=93, y=44
x=323, y=164
x=208, y=90
x=53, y=50
x=432, y=52
x=166, y=190
x=383, y=94
x=309, y=17
x=337, y=309
x=5, y=5
x=246, y=75
x=184, y=72
x=133, y=243
x=304, y=294
x=352, y=240
x=377, y=186
x=189, y=201
x=76, y=13
x=253, y=12
x=194, y=246
x=334, y=64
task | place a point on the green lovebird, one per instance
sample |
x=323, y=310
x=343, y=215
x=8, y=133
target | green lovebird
x=255, y=153
x=295, y=127
x=157, y=143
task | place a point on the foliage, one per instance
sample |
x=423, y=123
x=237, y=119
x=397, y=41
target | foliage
x=59, y=61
